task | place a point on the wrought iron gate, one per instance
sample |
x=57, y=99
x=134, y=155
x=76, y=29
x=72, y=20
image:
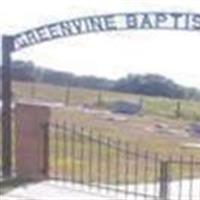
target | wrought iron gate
x=82, y=157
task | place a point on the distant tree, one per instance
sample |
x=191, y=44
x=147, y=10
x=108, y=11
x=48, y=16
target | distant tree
x=149, y=84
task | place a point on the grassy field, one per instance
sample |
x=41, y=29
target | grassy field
x=142, y=130
x=138, y=130
x=122, y=161
x=164, y=107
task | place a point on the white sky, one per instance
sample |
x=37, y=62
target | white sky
x=113, y=55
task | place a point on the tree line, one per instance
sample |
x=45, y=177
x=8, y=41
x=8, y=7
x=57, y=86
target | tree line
x=149, y=84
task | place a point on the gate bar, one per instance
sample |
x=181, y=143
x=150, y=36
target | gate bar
x=7, y=47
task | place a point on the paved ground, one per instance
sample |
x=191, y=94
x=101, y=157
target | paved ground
x=56, y=191
x=51, y=190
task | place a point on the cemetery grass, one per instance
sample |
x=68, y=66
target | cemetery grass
x=156, y=110
x=156, y=106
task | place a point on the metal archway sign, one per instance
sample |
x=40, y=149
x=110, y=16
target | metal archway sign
x=78, y=26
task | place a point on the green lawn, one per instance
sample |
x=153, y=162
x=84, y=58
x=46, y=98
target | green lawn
x=138, y=130
x=165, y=107
x=156, y=111
x=82, y=163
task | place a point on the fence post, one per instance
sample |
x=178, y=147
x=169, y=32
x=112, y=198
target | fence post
x=6, y=45
x=178, y=109
x=32, y=140
x=164, y=180
x=67, y=96
x=99, y=98
x=33, y=90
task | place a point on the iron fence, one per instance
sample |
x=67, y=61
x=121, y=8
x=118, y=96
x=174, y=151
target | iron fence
x=79, y=156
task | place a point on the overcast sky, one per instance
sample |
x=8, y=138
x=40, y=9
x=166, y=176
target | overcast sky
x=112, y=55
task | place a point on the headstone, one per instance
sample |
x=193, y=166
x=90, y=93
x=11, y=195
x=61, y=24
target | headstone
x=126, y=107
x=195, y=129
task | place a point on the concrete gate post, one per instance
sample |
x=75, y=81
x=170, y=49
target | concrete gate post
x=32, y=140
